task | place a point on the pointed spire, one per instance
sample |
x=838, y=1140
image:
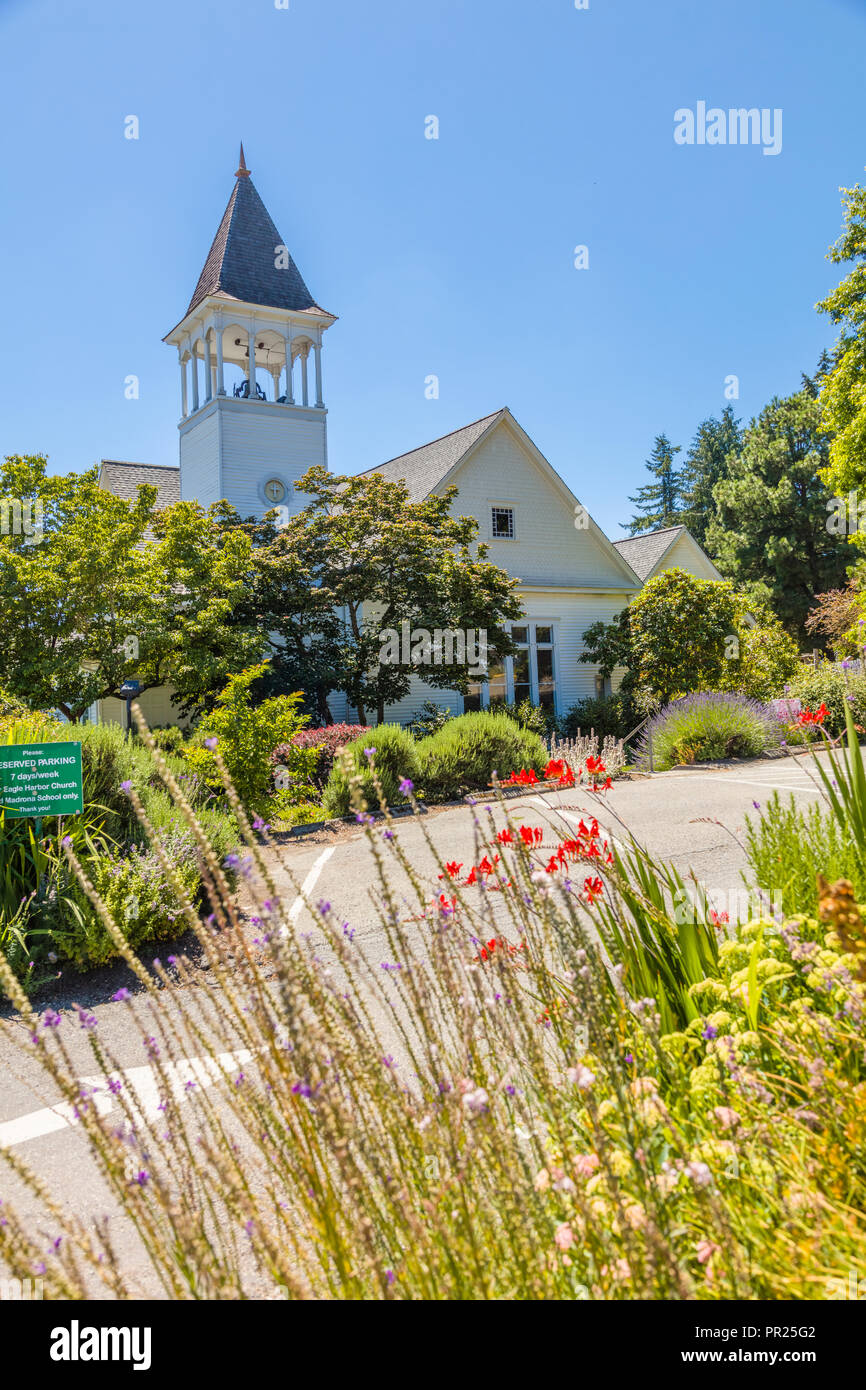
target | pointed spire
x=242, y=172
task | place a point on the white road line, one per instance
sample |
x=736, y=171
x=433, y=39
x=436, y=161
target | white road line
x=751, y=782
x=144, y=1093
x=309, y=883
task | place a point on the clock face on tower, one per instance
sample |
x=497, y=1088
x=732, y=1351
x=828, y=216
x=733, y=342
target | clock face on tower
x=275, y=490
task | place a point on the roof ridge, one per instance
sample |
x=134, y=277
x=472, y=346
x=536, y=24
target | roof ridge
x=438, y=440
x=645, y=535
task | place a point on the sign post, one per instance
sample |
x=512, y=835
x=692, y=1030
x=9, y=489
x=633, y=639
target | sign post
x=128, y=692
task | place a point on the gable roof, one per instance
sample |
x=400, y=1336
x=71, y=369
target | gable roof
x=240, y=262
x=425, y=468
x=124, y=480
x=645, y=552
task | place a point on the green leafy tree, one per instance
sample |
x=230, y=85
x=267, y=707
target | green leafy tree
x=764, y=658
x=706, y=464
x=675, y=637
x=843, y=387
x=659, y=501
x=770, y=535
x=106, y=589
x=680, y=630
x=362, y=559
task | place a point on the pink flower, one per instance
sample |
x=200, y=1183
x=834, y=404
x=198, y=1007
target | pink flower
x=585, y=1165
x=727, y=1118
x=706, y=1250
x=564, y=1236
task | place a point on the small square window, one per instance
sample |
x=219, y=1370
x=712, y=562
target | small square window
x=503, y=523
x=543, y=635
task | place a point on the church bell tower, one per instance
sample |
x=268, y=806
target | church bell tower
x=253, y=416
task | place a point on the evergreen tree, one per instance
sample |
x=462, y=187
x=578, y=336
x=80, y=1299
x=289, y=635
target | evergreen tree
x=658, y=501
x=770, y=532
x=707, y=464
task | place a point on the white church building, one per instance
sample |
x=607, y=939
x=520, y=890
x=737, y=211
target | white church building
x=247, y=435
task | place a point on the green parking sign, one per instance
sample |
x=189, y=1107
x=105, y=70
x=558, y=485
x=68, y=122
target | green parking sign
x=40, y=779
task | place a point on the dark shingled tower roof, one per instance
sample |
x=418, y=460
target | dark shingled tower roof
x=240, y=263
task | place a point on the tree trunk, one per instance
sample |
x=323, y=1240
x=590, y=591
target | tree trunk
x=380, y=711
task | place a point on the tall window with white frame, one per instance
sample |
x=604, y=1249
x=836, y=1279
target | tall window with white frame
x=528, y=675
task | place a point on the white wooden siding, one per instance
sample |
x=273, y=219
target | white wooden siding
x=548, y=548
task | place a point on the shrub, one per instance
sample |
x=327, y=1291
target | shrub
x=396, y=757
x=464, y=754
x=246, y=736
x=326, y=741
x=535, y=718
x=429, y=719
x=826, y=684
x=608, y=716
x=169, y=738
x=134, y=888
x=710, y=725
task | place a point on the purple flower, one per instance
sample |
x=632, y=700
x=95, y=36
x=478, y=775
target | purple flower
x=231, y=861
x=126, y=786
x=86, y=1020
x=142, y=1177
x=211, y=743
x=120, y=996
x=115, y=1086
x=67, y=840
x=710, y=1032
x=324, y=908
x=50, y=1019
x=757, y=805
x=387, y=834
x=390, y=1275
x=406, y=786
x=369, y=752
x=629, y=1059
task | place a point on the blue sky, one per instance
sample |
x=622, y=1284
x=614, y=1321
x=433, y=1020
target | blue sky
x=451, y=257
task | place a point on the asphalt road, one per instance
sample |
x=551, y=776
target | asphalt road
x=693, y=818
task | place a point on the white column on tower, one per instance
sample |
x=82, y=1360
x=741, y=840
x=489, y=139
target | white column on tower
x=251, y=338
x=184, y=411
x=218, y=330
x=193, y=361
x=208, y=370
x=319, y=402
x=305, y=357
x=290, y=398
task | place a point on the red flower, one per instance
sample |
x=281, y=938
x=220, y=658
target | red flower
x=808, y=717
x=505, y=837
x=595, y=766
x=593, y=888
x=452, y=869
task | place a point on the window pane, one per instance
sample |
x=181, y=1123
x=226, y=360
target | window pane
x=521, y=675
x=544, y=667
x=503, y=523
x=519, y=634
x=472, y=698
x=544, y=634
x=496, y=684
